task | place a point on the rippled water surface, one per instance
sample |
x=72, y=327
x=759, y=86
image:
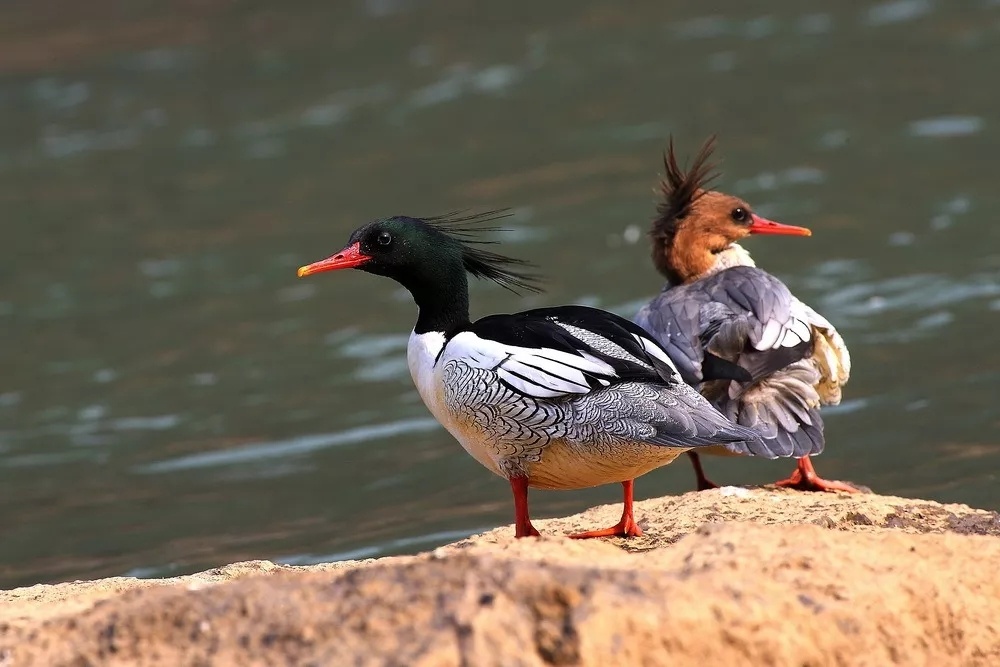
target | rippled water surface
x=172, y=398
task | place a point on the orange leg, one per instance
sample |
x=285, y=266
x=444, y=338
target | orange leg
x=522, y=522
x=805, y=479
x=627, y=527
x=704, y=482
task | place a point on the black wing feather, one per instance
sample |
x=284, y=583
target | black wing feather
x=539, y=328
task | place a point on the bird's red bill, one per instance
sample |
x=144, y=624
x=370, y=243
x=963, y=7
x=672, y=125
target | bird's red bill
x=348, y=258
x=761, y=225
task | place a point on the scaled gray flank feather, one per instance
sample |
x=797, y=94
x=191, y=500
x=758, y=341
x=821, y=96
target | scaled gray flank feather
x=518, y=427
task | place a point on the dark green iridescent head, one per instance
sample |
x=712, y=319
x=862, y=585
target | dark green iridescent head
x=431, y=258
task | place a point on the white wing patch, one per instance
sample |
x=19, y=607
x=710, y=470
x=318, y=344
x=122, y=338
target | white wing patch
x=535, y=372
x=777, y=335
x=654, y=350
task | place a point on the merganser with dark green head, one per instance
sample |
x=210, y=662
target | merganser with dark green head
x=718, y=313
x=553, y=398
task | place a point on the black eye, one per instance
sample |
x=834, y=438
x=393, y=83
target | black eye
x=740, y=214
x=384, y=238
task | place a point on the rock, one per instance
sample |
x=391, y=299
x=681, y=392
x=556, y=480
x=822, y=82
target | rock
x=770, y=578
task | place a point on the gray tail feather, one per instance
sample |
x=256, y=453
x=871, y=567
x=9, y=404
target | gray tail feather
x=808, y=439
x=782, y=408
x=702, y=425
x=801, y=438
x=732, y=436
x=720, y=433
x=746, y=439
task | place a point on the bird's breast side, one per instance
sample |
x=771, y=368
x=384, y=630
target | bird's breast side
x=423, y=352
x=566, y=464
x=495, y=421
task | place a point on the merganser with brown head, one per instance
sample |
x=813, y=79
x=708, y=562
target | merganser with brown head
x=764, y=358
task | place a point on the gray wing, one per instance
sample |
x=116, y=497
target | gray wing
x=754, y=320
x=747, y=317
x=743, y=315
x=673, y=318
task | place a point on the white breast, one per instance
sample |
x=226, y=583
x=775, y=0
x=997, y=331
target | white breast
x=422, y=353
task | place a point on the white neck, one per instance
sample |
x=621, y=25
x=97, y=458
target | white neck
x=422, y=352
x=734, y=255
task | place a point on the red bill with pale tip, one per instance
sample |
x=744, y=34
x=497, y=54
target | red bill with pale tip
x=759, y=225
x=348, y=258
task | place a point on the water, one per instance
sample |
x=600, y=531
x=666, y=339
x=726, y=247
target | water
x=172, y=398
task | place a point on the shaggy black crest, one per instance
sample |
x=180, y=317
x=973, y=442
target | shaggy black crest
x=680, y=188
x=464, y=228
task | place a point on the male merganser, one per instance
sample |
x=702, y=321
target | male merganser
x=553, y=398
x=718, y=309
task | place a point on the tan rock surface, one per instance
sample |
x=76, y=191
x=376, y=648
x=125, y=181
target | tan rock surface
x=725, y=577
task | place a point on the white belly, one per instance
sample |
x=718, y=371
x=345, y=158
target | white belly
x=421, y=353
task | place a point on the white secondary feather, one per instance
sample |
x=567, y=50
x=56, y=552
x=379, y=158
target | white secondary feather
x=770, y=336
x=790, y=339
x=792, y=332
x=540, y=384
x=801, y=328
x=814, y=318
x=537, y=372
x=655, y=351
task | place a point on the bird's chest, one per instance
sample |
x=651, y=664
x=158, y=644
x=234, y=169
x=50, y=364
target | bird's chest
x=422, y=354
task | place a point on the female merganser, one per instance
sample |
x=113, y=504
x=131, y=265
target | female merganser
x=718, y=309
x=552, y=398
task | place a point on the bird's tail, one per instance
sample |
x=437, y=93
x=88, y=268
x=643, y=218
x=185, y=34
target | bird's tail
x=783, y=408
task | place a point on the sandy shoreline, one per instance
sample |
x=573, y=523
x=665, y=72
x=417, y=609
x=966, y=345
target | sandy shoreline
x=727, y=576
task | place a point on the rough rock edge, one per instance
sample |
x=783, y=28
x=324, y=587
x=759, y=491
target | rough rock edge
x=722, y=577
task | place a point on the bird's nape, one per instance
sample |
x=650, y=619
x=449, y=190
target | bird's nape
x=465, y=229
